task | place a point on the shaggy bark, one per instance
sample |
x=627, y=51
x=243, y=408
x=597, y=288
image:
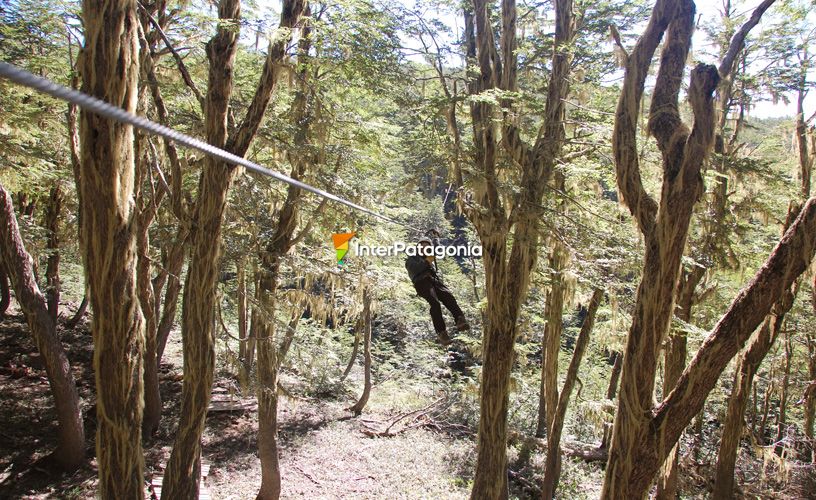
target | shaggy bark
x=666, y=422
x=552, y=465
x=507, y=270
x=181, y=478
x=747, y=366
x=642, y=436
x=70, y=452
x=551, y=342
x=52, y=276
x=674, y=362
x=110, y=70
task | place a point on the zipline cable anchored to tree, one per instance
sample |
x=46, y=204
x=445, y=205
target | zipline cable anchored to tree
x=102, y=108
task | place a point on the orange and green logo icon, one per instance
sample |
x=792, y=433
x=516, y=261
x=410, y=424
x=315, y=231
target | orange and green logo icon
x=341, y=245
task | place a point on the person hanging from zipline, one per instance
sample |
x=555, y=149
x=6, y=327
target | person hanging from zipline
x=429, y=286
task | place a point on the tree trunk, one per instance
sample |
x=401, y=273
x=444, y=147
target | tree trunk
x=280, y=242
x=174, y=265
x=507, y=270
x=5, y=291
x=673, y=365
x=551, y=341
x=358, y=332
x=552, y=465
x=644, y=435
x=781, y=416
x=611, y=391
x=357, y=408
x=110, y=71
x=242, y=309
x=52, y=215
x=747, y=367
x=70, y=452
x=80, y=312
x=810, y=400
x=183, y=472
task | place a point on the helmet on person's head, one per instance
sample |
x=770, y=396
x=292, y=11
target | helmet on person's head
x=424, y=241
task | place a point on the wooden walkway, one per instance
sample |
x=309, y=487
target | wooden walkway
x=154, y=492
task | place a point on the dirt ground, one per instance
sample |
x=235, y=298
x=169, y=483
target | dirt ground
x=325, y=452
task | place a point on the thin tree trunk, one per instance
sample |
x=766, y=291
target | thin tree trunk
x=611, y=391
x=552, y=465
x=255, y=320
x=810, y=400
x=52, y=276
x=733, y=427
x=5, y=291
x=174, y=265
x=70, y=452
x=358, y=332
x=110, y=71
x=551, y=341
x=242, y=309
x=358, y=407
x=80, y=312
x=781, y=416
x=674, y=363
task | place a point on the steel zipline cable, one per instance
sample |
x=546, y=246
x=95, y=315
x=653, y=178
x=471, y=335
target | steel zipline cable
x=102, y=108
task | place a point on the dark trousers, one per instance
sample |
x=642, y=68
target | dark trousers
x=435, y=292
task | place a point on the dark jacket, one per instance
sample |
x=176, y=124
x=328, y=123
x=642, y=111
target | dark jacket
x=419, y=268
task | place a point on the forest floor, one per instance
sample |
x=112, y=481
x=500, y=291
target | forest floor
x=325, y=451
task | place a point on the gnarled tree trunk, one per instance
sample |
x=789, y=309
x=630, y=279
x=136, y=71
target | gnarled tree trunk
x=110, y=71
x=643, y=436
x=70, y=452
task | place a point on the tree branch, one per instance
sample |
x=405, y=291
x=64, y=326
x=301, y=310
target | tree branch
x=239, y=142
x=624, y=139
x=738, y=40
x=664, y=115
x=791, y=257
x=185, y=75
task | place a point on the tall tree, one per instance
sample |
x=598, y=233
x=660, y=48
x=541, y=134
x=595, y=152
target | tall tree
x=70, y=452
x=499, y=220
x=198, y=308
x=552, y=464
x=110, y=70
x=633, y=458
